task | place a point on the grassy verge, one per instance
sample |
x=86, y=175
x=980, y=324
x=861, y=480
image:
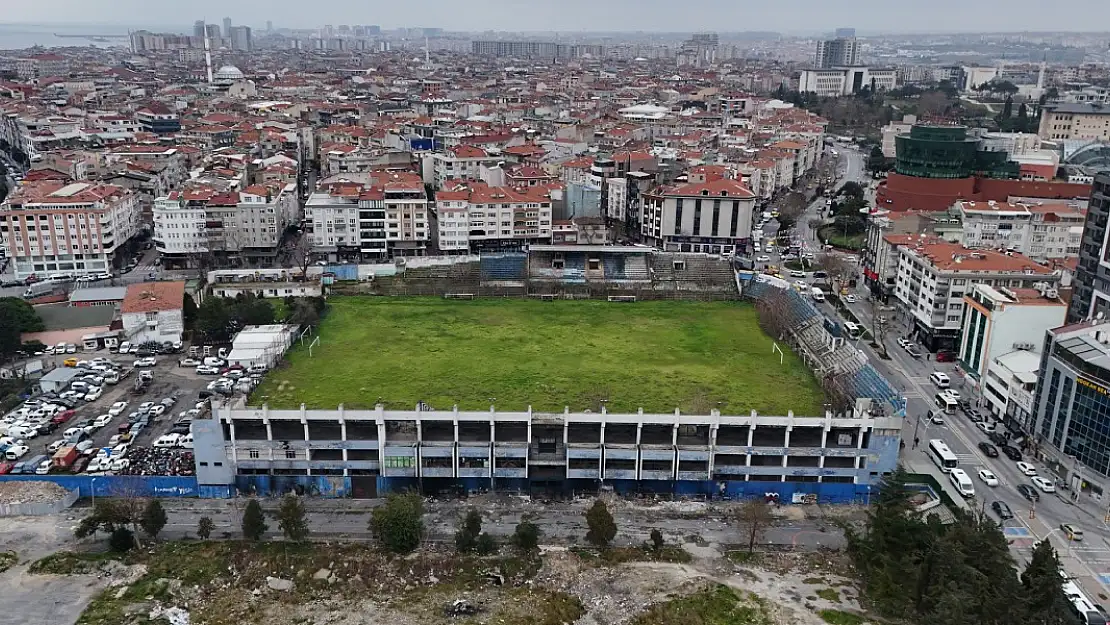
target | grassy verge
x=7, y=560
x=744, y=557
x=829, y=594
x=835, y=237
x=715, y=605
x=225, y=572
x=840, y=617
x=582, y=354
x=620, y=555
x=71, y=562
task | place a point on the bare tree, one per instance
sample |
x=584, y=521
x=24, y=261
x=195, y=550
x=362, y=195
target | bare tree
x=880, y=325
x=839, y=270
x=300, y=253
x=754, y=517
x=774, y=314
x=130, y=495
x=838, y=392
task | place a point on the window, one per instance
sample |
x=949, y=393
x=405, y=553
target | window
x=152, y=316
x=290, y=454
x=252, y=453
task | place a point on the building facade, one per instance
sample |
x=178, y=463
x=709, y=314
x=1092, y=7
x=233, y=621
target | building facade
x=714, y=217
x=1092, y=282
x=52, y=228
x=998, y=320
x=934, y=276
x=1075, y=120
x=839, y=52
x=1041, y=231
x=833, y=458
x=152, y=311
x=1072, y=403
x=841, y=81
x=491, y=218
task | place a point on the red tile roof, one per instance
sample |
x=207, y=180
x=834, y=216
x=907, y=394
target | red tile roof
x=153, y=297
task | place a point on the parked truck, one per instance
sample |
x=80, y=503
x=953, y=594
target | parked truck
x=39, y=288
x=65, y=457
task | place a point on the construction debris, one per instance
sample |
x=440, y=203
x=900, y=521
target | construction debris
x=30, y=492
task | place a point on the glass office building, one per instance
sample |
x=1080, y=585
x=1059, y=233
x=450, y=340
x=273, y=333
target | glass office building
x=1073, y=402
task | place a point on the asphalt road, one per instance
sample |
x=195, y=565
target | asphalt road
x=1089, y=560
x=560, y=522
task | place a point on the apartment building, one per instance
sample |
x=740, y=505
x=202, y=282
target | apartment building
x=384, y=217
x=933, y=276
x=1092, y=284
x=998, y=320
x=1075, y=120
x=1041, y=231
x=482, y=217
x=153, y=311
x=51, y=228
x=370, y=452
x=461, y=162
x=1010, y=386
x=171, y=160
x=35, y=134
x=233, y=226
x=158, y=118
x=714, y=217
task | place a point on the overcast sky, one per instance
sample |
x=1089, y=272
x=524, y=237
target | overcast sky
x=790, y=16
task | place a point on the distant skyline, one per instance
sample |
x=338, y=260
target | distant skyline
x=785, y=16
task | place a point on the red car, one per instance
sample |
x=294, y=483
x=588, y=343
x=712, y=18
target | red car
x=946, y=356
x=63, y=416
x=5, y=468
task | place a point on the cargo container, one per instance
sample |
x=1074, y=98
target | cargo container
x=64, y=457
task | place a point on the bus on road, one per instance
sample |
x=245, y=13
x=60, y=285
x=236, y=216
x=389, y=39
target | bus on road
x=942, y=456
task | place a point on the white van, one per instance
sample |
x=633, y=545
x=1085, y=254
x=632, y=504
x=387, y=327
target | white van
x=939, y=379
x=962, y=482
x=817, y=294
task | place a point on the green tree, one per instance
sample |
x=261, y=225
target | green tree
x=189, y=310
x=398, y=524
x=214, y=319
x=601, y=528
x=122, y=540
x=1007, y=108
x=205, y=527
x=16, y=316
x=1043, y=588
x=254, y=521
x=256, y=312
x=466, y=538
x=853, y=189
x=154, y=518
x=485, y=544
x=526, y=537
x=107, y=515
x=293, y=518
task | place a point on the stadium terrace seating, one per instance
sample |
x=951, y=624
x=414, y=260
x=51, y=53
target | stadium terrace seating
x=504, y=267
x=635, y=268
x=614, y=268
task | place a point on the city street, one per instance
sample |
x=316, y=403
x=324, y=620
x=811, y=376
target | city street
x=1089, y=560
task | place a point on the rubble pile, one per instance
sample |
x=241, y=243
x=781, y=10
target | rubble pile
x=30, y=492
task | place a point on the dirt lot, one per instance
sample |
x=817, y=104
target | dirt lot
x=229, y=583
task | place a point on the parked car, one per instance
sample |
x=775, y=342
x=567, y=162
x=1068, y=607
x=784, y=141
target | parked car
x=1027, y=469
x=1011, y=452
x=207, y=370
x=189, y=362
x=990, y=479
x=117, y=408
x=1043, y=483
x=146, y=362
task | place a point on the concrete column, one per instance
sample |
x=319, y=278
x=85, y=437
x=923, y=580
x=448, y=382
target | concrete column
x=789, y=429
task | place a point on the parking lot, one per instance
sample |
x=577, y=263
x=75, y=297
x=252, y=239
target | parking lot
x=106, y=426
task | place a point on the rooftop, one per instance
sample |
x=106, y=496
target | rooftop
x=154, y=297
